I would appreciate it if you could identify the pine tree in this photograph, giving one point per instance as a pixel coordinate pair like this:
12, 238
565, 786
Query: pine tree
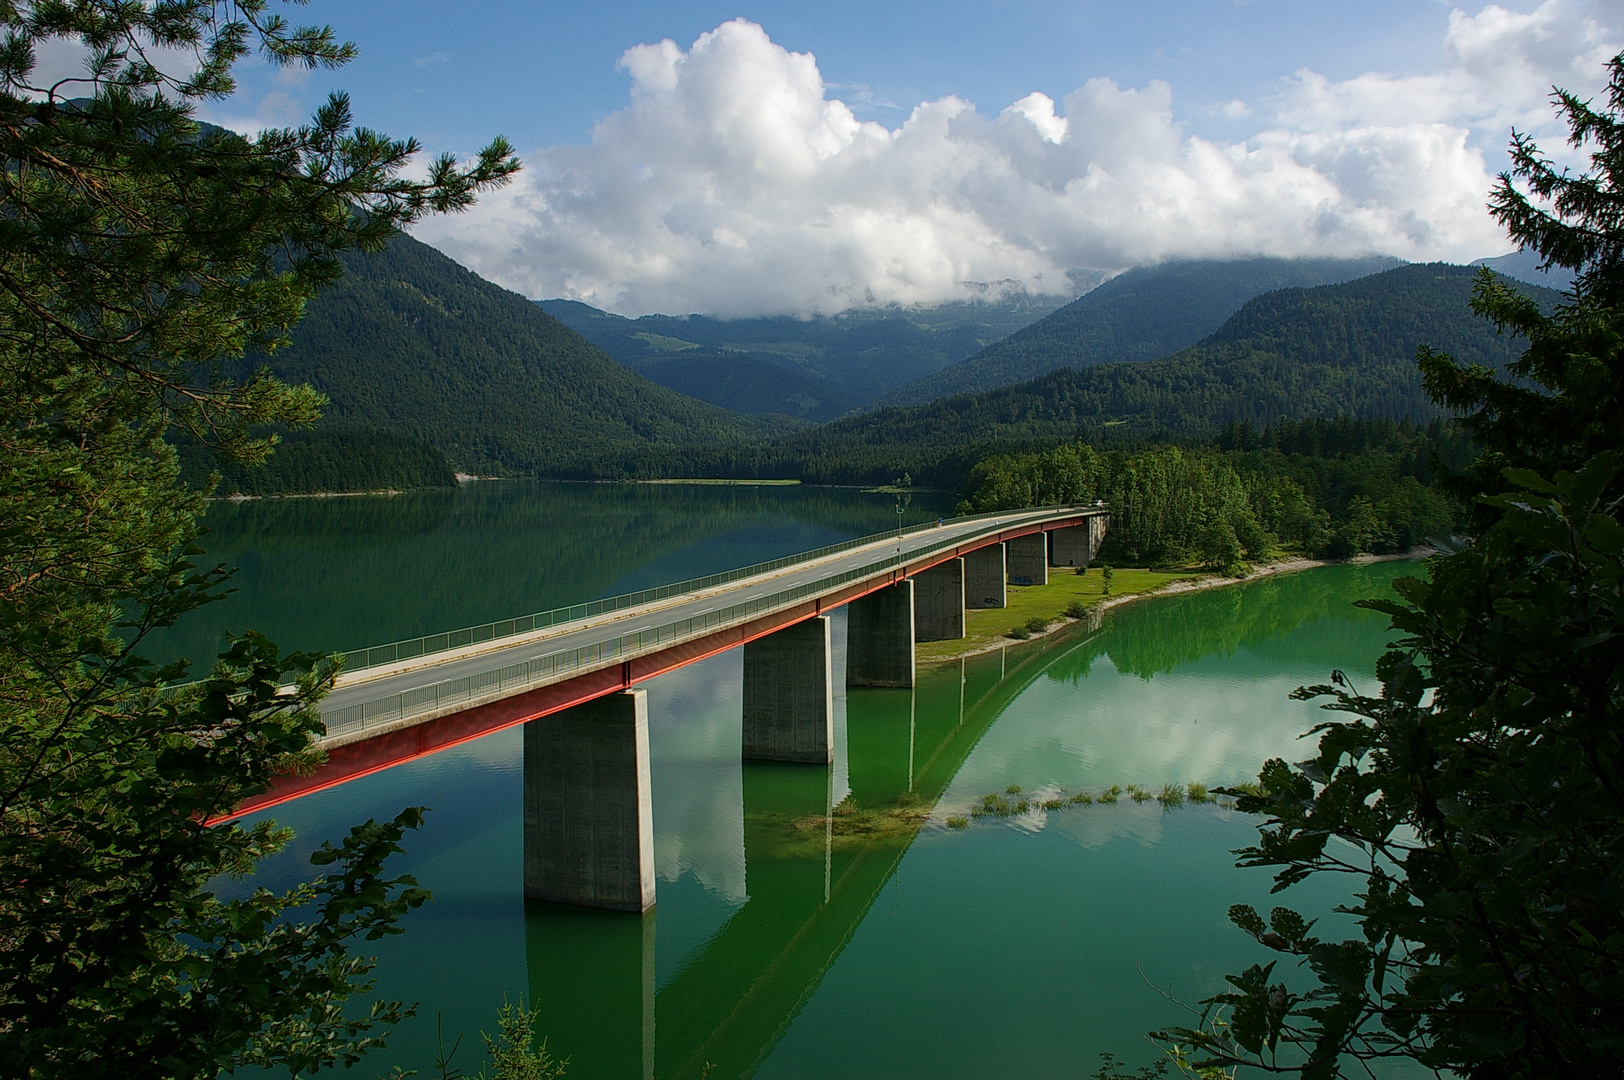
139, 251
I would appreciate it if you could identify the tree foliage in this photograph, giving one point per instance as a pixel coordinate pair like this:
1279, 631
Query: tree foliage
1346, 487
1477, 796
139, 251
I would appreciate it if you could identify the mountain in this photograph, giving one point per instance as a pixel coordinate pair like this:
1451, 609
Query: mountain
818, 368
1336, 350
410, 342
1139, 315
1524, 266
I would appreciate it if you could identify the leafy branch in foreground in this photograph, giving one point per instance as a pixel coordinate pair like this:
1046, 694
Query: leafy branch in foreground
1478, 798
513, 1051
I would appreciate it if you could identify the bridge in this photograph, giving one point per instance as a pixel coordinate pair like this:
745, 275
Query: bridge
592, 973
588, 824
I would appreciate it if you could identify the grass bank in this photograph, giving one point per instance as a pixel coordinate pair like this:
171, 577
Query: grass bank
989, 628
1068, 591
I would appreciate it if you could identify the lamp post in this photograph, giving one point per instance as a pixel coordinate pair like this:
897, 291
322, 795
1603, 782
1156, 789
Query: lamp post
904, 497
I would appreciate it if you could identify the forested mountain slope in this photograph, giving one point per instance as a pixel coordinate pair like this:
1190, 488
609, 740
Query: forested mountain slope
1336, 350
1140, 315
818, 368
411, 342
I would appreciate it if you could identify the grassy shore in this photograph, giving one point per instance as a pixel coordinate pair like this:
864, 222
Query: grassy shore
986, 628
1068, 591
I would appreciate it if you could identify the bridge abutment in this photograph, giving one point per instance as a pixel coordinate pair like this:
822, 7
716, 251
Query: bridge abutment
789, 698
588, 820
939, 602
985, 575
880, 637
1028, 559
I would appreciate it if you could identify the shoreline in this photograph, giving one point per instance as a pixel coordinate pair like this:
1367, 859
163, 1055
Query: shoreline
238, 497
1206, 580
464, 479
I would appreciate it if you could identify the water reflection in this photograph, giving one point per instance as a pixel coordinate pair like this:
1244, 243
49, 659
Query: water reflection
817, 921
339, 573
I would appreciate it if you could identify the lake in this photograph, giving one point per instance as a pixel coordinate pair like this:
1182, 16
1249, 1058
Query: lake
812, 921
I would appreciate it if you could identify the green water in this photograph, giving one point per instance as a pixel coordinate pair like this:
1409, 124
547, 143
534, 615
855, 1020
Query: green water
340, 573
1021, 947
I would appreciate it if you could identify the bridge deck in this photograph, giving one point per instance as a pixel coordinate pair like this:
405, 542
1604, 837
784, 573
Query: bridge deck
386, 715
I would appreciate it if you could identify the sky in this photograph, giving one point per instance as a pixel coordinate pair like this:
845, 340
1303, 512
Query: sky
770, 157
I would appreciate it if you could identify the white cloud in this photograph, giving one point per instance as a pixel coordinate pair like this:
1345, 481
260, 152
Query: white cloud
734, 184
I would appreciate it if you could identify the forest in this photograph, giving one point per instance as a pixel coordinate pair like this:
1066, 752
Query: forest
1326, 488
410, 342
322, 460
1143, 314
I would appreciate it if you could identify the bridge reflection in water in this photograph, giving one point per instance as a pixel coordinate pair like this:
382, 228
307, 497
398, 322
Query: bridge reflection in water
812, 871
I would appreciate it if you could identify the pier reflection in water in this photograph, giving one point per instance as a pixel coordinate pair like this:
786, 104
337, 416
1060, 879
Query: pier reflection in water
817, 921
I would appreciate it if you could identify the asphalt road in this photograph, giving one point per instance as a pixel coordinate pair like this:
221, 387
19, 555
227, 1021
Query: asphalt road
364, 686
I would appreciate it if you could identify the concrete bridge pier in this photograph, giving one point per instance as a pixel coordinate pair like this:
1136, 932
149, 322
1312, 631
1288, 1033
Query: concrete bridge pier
880, 637
1028, 559
939, 602
789, 697
1075, 546
588, 821
985, 574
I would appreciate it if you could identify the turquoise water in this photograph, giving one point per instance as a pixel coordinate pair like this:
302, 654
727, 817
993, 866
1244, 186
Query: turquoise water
785, 946
341, 573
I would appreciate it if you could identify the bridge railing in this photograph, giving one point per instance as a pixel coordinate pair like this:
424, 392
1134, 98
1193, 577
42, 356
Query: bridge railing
428, 645
512, 678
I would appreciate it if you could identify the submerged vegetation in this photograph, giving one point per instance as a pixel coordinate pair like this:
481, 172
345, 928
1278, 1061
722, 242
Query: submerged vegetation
851, 822
1171, 797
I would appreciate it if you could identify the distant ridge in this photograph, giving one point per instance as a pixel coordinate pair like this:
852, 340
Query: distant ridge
1336, 350
1524, 266
1139, 315
818, 368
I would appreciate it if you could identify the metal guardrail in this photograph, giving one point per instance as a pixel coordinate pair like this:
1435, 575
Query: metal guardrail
528, 673
429, 644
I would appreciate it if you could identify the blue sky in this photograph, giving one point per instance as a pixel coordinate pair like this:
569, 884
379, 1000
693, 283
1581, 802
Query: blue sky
544, 73
804, 158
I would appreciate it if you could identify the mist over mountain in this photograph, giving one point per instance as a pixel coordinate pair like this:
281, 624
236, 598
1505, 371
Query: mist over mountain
1139, 315
818, 368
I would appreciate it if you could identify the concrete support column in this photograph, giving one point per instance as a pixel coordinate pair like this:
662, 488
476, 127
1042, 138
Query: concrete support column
939, 602
985, 573
1028, 560
1096, 534
1073, 546
588, 821
880, 637
789, 696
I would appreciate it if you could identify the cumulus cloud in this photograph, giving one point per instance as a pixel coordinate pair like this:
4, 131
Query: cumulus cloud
733, 183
